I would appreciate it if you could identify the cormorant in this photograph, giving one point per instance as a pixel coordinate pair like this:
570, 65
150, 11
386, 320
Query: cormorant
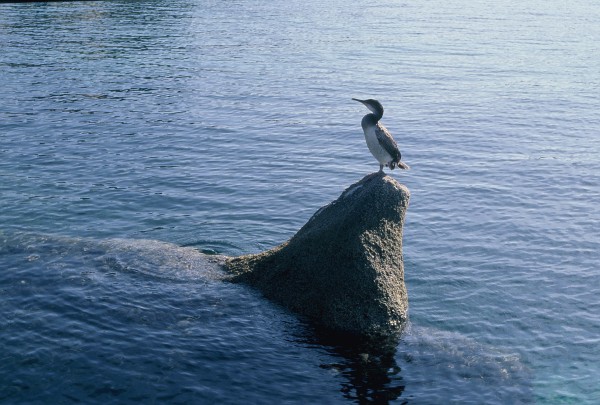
379, 140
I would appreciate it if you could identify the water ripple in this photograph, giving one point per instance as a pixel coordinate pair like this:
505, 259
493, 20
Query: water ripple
223, 127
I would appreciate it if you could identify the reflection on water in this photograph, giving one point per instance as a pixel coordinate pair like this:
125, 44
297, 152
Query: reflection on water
369, 371
369, 378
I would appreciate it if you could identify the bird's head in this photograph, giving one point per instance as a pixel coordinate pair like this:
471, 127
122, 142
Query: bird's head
373, 105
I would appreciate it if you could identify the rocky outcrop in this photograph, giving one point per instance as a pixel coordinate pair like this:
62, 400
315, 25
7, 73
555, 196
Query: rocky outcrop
344, 269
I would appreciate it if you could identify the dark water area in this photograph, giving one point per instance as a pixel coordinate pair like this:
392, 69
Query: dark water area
139, 140
141, 320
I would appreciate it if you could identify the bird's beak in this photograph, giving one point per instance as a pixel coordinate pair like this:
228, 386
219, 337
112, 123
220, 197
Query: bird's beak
363, 102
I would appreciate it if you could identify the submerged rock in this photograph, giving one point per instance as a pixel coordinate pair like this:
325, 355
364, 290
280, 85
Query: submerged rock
344, 268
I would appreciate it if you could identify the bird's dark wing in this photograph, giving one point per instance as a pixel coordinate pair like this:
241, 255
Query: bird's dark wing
387, 142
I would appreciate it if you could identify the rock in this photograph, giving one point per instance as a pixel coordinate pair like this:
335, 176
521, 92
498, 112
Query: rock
344, 268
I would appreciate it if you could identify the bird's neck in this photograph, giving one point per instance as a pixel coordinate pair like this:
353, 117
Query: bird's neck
369, 120
375, 117
377, 111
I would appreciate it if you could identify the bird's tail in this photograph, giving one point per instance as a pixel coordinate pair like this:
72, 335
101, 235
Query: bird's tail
401, 165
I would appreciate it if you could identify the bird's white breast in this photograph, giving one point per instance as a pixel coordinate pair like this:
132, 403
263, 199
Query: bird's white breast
376, 149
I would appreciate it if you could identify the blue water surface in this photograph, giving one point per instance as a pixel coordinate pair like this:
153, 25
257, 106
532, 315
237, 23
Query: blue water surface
137, 136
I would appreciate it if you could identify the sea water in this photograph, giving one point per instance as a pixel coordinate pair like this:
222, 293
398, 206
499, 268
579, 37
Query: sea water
137, 137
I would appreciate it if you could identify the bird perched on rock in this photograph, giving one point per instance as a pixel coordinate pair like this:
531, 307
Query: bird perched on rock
379, 140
